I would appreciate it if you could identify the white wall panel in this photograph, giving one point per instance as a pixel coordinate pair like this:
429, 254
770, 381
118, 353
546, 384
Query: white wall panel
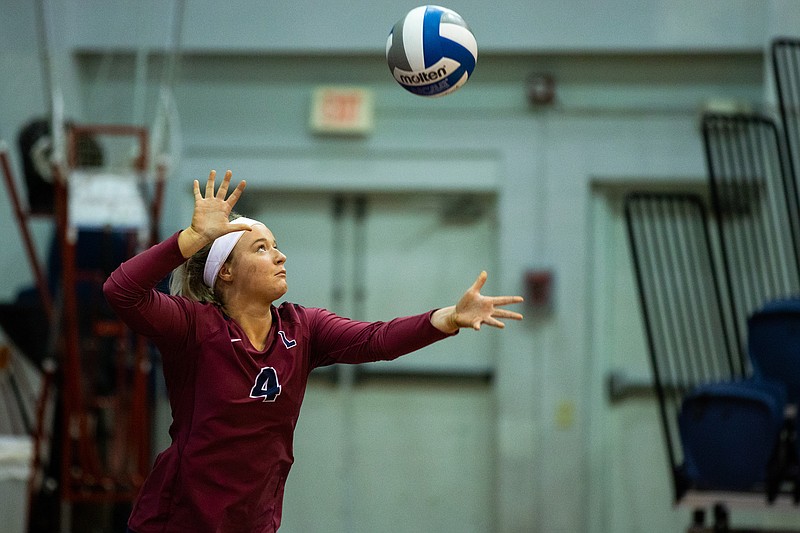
362, 25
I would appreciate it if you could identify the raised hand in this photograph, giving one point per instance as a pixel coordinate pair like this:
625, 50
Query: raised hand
210, 215
475, 309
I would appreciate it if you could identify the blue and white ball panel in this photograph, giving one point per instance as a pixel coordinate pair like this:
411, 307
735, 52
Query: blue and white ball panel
435, 52
461, 35
413, 37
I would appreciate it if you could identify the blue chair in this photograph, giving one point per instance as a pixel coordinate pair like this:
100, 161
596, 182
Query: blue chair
721, 426
774, 344
794, 462
774, 349
730, 433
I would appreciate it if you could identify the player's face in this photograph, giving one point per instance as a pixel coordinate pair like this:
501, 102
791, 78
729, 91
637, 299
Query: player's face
258, 265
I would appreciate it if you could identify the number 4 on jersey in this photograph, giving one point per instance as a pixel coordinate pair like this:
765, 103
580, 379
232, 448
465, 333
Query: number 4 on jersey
267, 385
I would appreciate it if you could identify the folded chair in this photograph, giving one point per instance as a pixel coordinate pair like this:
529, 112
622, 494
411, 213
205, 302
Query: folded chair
786, 74
731, 434
774, 346
720, 424
755, 201
755, 206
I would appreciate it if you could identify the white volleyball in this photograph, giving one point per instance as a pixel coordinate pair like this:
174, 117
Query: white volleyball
431, 51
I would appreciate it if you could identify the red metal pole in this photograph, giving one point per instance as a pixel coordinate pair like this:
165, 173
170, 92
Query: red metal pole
38, 436
70, 342
156, 203
38, 272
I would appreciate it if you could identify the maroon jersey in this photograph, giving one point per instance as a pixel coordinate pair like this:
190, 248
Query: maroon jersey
234, 407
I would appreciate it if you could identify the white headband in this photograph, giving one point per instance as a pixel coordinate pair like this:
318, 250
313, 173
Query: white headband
221, 249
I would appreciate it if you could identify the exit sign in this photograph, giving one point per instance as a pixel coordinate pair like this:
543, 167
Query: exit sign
342, 111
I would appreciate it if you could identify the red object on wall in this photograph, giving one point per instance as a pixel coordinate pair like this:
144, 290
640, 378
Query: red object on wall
539, 289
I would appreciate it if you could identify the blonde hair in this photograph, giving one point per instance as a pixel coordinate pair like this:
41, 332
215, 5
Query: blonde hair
187, 279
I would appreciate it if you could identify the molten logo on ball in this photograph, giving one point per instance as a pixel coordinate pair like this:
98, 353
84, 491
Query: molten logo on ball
431, 51
436, 72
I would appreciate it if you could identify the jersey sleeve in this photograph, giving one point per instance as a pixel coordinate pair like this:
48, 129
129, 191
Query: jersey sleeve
336, 339
131, 291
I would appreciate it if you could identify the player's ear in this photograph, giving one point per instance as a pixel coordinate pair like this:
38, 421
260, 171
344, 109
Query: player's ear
225, 272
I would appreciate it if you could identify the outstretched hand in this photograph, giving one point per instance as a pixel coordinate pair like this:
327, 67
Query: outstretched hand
211, 212
475, 309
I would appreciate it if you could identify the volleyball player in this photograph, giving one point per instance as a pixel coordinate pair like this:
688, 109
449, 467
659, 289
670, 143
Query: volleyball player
236, 366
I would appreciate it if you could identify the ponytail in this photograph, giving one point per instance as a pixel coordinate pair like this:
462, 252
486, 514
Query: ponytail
187, 279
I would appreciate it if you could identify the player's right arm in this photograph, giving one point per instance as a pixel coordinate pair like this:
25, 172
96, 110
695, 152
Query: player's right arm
132, 292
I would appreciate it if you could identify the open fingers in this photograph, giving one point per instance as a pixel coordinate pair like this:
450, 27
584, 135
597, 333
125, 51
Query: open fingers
493, 319
237, 192
505, 313
494, 323
506, 300
210, 184
479, 283
223, 187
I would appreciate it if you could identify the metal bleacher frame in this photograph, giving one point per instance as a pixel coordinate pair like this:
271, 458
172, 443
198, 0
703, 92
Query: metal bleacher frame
91, 468
746, 254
